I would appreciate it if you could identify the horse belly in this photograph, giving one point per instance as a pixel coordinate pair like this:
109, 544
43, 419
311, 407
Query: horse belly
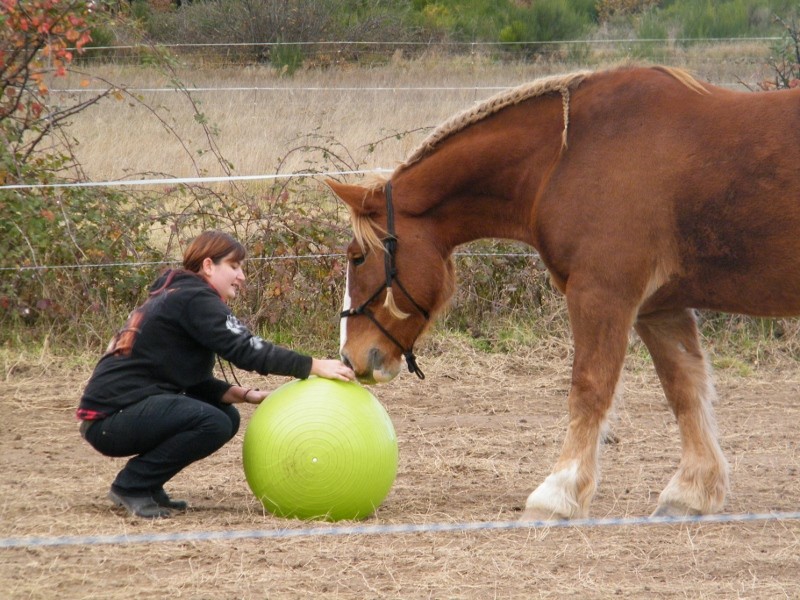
756, 296
748, 269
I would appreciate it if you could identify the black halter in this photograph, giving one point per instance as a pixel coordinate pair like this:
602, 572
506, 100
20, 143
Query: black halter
390, 245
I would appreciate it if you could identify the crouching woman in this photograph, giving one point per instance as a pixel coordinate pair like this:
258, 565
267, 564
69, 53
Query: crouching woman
153, 395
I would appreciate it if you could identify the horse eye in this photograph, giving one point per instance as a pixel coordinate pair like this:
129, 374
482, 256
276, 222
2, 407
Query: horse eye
358, 260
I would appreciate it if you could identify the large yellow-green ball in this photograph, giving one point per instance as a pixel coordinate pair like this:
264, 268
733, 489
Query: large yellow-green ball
320, 449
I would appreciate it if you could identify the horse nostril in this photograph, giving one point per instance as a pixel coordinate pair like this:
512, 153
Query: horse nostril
375, 359
346, 361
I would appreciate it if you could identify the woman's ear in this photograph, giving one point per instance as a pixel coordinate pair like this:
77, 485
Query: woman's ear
207, 267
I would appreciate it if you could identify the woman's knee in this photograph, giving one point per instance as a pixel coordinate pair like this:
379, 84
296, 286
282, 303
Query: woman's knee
233, 414
221, 424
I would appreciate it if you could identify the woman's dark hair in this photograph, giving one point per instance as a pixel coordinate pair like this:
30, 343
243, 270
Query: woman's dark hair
215, 245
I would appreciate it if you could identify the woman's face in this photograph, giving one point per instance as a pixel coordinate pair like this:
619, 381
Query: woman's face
226, 276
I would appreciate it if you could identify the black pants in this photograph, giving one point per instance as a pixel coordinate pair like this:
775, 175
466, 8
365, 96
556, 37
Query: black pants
166, 433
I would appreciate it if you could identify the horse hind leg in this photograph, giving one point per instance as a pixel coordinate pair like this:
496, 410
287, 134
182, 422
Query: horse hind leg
701, 481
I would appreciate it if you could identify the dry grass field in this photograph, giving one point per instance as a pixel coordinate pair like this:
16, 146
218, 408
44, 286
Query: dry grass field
262, 118
475, 437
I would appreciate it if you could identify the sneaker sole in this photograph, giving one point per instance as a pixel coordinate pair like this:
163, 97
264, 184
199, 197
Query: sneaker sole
163, 513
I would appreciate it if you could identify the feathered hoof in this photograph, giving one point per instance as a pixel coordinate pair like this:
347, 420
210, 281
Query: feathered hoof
533, 513
675, 510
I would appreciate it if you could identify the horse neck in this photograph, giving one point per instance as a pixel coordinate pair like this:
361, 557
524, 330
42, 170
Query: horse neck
464, 218
483, 181
456, 218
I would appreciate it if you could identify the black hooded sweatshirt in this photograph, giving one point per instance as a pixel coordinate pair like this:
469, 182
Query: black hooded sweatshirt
168, 345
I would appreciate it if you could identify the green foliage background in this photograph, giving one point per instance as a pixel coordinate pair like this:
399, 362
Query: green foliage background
296, 301
280, 30
458, 20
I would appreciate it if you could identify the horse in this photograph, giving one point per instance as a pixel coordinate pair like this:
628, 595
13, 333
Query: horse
648, 194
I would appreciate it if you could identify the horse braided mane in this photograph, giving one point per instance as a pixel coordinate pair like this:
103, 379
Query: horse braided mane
561, 84
368, 234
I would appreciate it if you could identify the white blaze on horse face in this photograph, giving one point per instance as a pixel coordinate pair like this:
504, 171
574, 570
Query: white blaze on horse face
345, 306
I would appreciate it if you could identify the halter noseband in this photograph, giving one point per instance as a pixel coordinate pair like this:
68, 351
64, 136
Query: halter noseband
390, 245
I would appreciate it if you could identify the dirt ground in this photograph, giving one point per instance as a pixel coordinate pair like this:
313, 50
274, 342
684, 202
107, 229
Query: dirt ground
475, 438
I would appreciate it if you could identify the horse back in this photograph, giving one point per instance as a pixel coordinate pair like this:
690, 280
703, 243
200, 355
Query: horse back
692, 196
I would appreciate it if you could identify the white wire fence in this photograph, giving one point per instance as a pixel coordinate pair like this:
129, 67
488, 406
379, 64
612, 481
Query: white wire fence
200, 181
748, 51
325, 53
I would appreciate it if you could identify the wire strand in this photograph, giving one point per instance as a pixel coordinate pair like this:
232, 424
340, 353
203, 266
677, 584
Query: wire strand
350, 530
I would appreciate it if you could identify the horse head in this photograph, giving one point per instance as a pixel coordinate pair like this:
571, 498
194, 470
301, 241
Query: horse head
398, 278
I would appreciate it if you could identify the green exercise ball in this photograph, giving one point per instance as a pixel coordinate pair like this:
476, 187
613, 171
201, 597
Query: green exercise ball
320, 449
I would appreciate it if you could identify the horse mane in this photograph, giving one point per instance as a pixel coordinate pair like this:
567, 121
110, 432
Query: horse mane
366, 231
553, 84
685, 77
561, 84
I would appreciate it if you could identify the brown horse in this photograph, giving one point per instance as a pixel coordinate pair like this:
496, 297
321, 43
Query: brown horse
647, 195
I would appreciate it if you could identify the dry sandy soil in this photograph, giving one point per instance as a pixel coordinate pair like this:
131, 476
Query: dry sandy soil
475, 437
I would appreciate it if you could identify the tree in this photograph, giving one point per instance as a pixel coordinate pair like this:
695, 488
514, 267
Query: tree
42, 228
39, 39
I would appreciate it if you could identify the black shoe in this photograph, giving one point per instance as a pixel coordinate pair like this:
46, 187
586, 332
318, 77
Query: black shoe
162, 499
139, 506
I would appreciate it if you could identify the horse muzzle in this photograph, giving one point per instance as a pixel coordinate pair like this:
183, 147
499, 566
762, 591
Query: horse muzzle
375, 369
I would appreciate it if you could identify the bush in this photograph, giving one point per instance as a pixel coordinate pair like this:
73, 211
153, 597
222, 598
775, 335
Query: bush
709, 19
552, 20
282, 32
785, 58
649, 27
271, 24
289, 22
55, 238
608, 9
46, 232
545, 21
502, 287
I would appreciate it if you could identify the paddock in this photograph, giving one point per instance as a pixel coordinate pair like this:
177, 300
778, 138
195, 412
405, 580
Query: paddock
473, 437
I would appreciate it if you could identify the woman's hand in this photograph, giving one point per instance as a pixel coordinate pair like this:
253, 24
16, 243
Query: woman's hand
332, 369
254, 396
239, 395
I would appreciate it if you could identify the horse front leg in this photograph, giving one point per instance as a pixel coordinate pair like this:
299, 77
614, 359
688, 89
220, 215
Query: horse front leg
700, 484
600, 327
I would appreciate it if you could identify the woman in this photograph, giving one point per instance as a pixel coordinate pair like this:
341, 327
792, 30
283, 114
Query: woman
153, 394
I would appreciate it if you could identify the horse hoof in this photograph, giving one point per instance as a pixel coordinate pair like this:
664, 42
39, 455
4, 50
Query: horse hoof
538, 514
675, 510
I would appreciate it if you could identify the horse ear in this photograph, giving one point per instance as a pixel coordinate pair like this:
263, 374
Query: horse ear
364, 201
